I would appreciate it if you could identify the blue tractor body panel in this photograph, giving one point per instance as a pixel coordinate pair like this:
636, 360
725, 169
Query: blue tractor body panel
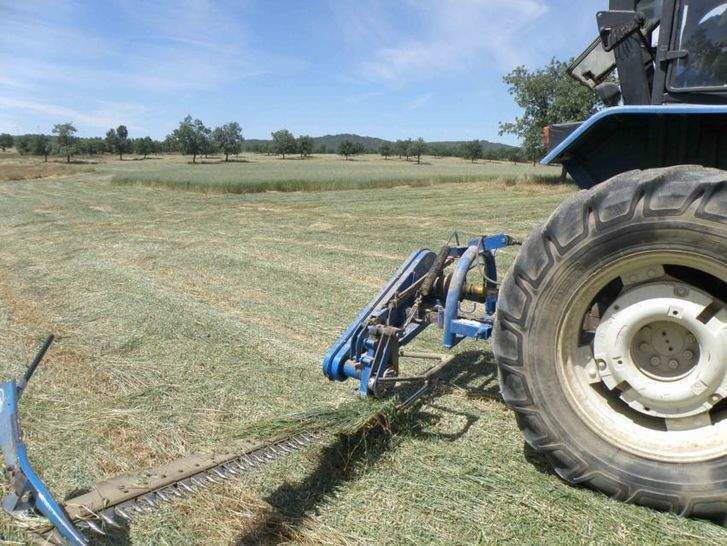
624, 138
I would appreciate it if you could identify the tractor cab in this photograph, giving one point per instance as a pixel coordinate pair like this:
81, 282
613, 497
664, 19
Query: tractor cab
660, 69
657, 52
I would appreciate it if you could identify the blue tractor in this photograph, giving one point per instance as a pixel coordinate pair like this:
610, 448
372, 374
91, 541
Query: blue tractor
610, 329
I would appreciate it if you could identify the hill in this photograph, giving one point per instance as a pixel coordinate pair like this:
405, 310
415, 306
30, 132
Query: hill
372, 144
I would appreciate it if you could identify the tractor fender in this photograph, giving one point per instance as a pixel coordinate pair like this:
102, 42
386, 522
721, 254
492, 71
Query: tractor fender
625, 138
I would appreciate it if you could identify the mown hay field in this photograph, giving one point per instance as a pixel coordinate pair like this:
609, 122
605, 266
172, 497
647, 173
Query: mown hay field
250, 173
15, 167
183, 317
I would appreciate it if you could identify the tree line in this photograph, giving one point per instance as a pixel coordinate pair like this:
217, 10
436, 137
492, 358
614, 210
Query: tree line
546, 96
193, 138
62, 142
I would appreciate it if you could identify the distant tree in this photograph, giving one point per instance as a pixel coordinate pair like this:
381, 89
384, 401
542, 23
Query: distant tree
305, 145
515, 155
322, 149
209, 144
143, 146
40, 145
90, 146
385, 150
472, 150
547, 96
65, 140
191, 137
123, 135
408, 143
112, 140
401, 147
96, 146
418, 148
117, 140
23, 144
437, 150
284, 142
346, 149
170, 144
228, 138
6, 141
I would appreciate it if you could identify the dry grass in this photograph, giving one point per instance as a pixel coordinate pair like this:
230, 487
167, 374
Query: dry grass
183, 318
27, 170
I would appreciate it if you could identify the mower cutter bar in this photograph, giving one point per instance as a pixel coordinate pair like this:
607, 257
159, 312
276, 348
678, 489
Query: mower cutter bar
121, 499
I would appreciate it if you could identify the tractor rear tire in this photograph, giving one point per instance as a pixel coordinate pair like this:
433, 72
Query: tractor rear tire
653, 244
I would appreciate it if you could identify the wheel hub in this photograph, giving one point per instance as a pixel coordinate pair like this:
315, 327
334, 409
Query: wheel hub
665, 351
654, 347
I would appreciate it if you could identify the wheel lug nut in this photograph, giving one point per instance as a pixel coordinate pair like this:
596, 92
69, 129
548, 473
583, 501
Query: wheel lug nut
688, 355
646, 331
644, 347
673, 364
655, 361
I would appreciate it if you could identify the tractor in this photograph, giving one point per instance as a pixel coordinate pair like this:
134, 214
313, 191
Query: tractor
610, 328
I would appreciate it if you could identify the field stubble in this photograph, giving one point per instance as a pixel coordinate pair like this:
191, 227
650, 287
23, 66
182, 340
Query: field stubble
183, 319
15, 167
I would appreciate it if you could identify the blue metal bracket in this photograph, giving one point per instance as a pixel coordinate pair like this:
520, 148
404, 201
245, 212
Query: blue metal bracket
454, 294
29, 494
368, 350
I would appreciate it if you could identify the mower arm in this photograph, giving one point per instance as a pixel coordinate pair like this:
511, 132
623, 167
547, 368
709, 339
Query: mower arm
29, 494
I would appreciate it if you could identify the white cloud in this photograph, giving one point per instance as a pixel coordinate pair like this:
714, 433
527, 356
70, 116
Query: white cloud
419, 101
445, 35
103, 116
176, 46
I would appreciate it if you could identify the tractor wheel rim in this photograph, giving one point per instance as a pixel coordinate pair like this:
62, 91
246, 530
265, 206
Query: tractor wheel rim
653, 377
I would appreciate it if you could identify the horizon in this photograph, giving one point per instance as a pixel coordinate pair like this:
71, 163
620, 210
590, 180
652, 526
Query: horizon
384, 70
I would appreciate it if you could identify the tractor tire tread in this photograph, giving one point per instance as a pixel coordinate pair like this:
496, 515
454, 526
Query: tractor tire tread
669, 192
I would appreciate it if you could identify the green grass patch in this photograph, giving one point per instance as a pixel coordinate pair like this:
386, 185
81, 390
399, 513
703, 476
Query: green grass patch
260, 174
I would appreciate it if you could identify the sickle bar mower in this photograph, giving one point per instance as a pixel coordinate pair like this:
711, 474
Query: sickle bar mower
419, 294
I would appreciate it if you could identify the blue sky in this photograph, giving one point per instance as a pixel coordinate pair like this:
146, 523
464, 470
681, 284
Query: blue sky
387, 68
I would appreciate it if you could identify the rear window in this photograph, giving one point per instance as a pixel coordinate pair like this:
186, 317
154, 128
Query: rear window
701, 31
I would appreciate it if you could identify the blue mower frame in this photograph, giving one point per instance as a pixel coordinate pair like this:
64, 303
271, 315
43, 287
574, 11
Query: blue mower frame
418, 295
29, 495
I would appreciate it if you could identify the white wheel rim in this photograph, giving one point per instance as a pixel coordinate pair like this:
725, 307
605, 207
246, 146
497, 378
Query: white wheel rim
661, 410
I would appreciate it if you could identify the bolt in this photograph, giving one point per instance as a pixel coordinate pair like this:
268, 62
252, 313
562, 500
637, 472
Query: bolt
688, 355
655, 361
645, 347
602, 365
673, 364
646, 331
